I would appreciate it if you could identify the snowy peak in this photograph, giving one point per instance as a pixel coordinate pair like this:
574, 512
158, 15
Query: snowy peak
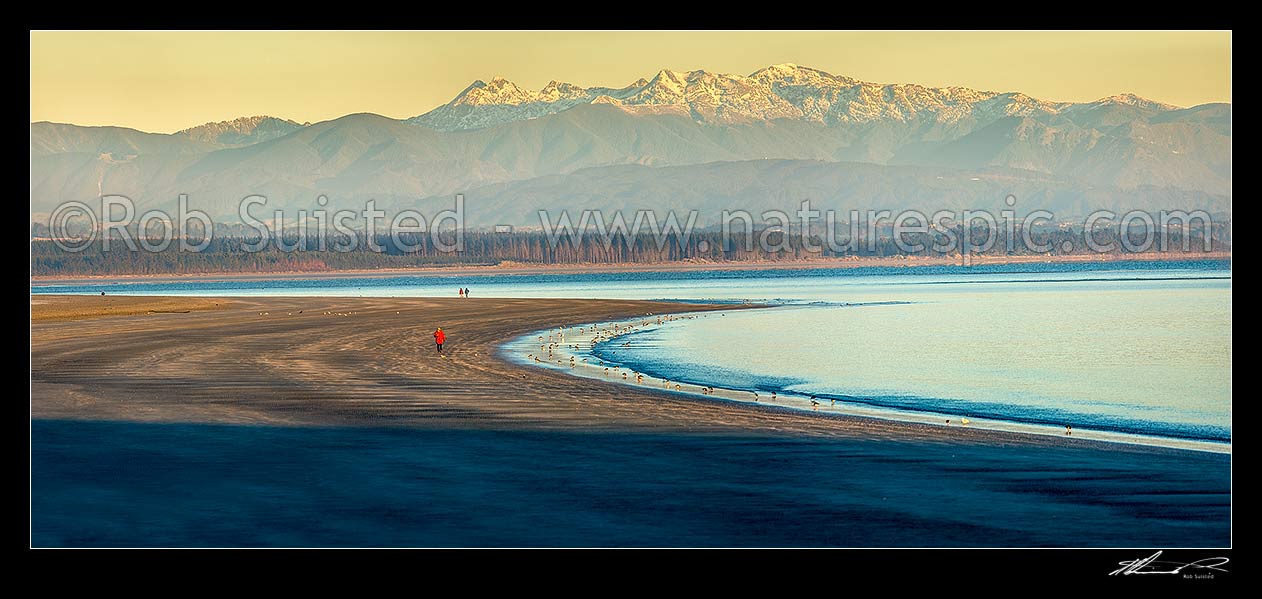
498, 91
782, 91
1136, 101
666, 87
792, 74
242, 131
556, 91
672, 79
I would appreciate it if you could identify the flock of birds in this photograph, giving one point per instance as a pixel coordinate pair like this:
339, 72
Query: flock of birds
597, 334
593, 335
326, 313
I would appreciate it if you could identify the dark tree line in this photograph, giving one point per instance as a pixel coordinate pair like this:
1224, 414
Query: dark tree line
242, 254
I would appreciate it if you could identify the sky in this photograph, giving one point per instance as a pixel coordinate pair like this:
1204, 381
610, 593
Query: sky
166, 81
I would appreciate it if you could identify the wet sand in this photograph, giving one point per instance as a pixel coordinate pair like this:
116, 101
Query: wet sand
331, 421
349, 361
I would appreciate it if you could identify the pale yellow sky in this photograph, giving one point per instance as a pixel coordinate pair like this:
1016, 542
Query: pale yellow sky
166, 81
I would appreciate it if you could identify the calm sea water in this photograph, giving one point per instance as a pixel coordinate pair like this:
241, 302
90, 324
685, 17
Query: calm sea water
1140, 348
1143, 354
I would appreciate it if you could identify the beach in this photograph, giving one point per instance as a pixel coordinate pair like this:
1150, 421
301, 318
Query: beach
362, 378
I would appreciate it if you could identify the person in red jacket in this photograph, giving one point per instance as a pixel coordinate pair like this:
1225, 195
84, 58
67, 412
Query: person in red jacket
439, 338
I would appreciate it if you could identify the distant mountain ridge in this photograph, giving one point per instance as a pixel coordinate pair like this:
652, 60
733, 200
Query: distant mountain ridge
784, 91
242, 131
61, 138
496, 134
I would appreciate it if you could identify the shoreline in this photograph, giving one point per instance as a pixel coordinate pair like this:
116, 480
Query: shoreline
581, 367
519, 268
337, 361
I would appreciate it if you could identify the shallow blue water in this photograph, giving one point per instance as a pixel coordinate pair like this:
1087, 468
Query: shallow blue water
1140, 356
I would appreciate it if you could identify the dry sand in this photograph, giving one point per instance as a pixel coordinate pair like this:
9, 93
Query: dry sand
371, 361
45, 308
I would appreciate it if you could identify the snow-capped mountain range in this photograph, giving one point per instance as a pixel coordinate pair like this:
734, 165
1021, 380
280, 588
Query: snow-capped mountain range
781, 134
783, 91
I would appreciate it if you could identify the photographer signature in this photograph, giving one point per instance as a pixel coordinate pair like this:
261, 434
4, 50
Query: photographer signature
1151, 565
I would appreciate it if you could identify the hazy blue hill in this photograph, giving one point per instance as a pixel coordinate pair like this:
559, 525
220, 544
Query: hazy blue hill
241, 132
759, 185
60, 138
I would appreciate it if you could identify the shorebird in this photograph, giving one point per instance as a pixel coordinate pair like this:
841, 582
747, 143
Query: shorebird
814, 404
1068, 430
